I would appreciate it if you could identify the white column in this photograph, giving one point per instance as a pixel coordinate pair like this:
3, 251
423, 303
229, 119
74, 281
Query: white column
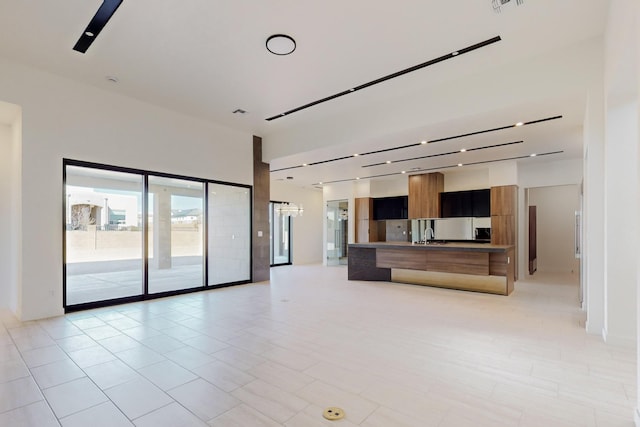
105, 212
621, 170
593, 211
162, 228
621, 218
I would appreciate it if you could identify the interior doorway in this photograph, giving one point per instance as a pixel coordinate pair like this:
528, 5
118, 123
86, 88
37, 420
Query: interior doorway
533, 240
551, 237
280, 236
337, 232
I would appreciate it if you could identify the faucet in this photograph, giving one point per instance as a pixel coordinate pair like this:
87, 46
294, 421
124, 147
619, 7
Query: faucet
428, 232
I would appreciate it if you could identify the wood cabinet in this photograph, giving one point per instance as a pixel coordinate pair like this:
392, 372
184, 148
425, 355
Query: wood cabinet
504, 218
504, 200
473, 267
366, 227
503, 229
424, 195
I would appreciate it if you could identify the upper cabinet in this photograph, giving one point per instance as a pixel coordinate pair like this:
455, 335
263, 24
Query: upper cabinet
504, 218
424, 195
503, 200
366, 227
390, 208
465, 203
364, 208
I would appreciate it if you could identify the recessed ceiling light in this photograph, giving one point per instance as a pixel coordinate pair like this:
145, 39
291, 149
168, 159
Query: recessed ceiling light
112, 79
459, 164
351, 90
519, 124
304, 164
455, 53
403, 172
281, 44
89, 34
356, 155
357, 177
423, 142
463, 150
533, 155
320, 183
388, 161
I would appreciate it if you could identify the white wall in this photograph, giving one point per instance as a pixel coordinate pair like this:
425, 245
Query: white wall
306, 229
621, 170
15, 290
398, 186
6, 135
542, 173
593, 208
555, 208
65, 119
503, 173
621, 219
460, 180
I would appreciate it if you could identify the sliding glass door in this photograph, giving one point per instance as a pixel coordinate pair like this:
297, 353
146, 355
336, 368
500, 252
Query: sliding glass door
337, 232
280, 234
176, 236
103, 235
131, 234
229, 234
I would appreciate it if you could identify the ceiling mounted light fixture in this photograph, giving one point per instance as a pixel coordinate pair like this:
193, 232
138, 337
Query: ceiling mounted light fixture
383, 79
289, 209
281, 44
97, 24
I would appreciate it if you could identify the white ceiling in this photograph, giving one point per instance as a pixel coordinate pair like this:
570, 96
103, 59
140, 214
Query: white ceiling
207, 58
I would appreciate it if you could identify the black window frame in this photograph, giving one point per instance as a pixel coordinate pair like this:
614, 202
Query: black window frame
145, 233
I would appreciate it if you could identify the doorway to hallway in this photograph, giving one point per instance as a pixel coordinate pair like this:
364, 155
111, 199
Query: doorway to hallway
551, 224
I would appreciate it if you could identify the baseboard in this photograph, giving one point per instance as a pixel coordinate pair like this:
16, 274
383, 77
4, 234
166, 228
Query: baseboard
593, 329
618, 341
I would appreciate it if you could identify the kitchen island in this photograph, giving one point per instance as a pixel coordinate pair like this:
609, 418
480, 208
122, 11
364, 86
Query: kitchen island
468, 266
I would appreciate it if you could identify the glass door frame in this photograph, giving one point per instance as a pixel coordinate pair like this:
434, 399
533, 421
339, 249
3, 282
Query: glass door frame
145, 295
272, 216
339, 254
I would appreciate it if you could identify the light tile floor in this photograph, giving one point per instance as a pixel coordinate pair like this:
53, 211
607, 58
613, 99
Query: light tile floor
277, 353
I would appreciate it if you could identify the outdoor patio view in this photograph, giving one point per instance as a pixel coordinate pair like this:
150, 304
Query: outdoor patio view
105, 241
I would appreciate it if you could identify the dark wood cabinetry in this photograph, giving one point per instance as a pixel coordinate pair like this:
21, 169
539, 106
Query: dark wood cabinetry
366, 227
424, 195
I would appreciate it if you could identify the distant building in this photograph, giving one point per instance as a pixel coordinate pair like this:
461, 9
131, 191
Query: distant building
87, 206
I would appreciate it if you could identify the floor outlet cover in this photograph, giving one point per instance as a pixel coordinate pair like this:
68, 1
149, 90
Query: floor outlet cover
333, 413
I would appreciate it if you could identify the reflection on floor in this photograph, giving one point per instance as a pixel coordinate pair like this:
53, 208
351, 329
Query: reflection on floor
278, 353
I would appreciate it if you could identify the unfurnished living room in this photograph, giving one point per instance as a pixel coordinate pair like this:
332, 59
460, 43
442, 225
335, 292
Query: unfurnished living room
308, 214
